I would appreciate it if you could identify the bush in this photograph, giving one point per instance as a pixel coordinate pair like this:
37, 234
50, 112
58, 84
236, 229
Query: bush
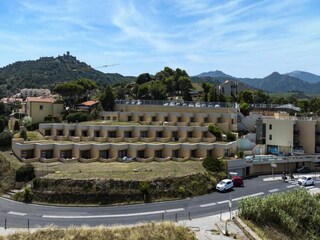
215, 130
5, 139
294, 213
231, 137
27, 195
214, 165
23, 134
144, 189
78, 117
25, 173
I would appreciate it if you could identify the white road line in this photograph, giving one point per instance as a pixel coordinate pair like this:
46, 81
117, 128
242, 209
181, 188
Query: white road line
309, 187
105, 216
291, 186
175, 210
252, 195
222, 202
273, 190
17, 213
208, 204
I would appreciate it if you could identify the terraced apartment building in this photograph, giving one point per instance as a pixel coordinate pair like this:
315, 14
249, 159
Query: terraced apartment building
139, 131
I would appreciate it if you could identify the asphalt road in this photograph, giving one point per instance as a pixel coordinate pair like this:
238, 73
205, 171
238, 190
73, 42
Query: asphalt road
17, 215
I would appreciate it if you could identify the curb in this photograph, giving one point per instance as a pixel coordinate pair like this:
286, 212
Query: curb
247, 231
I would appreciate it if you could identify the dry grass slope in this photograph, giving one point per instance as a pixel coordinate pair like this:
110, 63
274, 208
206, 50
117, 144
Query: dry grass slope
150, 231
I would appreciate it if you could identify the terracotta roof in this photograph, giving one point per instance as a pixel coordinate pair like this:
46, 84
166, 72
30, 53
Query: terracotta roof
40, 99
89, 103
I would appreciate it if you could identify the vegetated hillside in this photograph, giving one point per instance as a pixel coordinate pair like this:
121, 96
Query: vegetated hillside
215, 74
274, 83
305, 76
46, 72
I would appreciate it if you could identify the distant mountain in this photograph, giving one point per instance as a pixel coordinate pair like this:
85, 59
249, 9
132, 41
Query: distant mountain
46, 72
214, 74
274, 82
305, 76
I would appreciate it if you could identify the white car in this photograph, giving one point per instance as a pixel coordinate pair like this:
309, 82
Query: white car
305, 181
224, 185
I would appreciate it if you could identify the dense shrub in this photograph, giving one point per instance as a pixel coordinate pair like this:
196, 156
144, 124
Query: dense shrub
33, 126
231, 137
5, 139
78, 117
215, 130
294, 213
25, 173
23, 134
214, 164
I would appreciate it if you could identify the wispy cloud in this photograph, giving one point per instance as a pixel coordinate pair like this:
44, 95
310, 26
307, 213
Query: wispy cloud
240, 37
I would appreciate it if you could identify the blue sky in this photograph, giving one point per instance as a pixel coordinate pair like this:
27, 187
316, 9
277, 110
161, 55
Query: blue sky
243, 38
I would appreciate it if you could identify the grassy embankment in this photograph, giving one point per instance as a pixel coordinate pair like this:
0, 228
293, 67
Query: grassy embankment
7, 175
292, 215
150, 231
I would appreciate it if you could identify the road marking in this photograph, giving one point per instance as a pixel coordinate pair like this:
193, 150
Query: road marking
291, 186
309, 187
222, 202
252, 195
175, 210
105, 216
208, 204
273, 190
17, 213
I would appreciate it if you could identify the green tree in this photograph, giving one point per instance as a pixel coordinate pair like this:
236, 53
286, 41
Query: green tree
244, 108
3, 109
143, 91
212, 94
2, 123
246, 96
143, 78
5, 139
157, 90
107, 100
25, 173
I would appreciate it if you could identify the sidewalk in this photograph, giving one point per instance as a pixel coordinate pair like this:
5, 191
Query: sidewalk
296, 176
212, 227
206, 228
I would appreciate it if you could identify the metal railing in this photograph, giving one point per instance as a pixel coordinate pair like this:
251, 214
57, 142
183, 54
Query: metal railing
178, 103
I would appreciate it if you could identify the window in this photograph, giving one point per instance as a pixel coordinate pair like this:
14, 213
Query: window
140, 154
270, 126
66, 154
144, 134
175, 153
84, 133
47, 154
190, 134
71, 133
158, 153
179, 119
27, 154
41, 107
166, 119
175, 135
112, 134
141, 118
85, 154
154, 119
226, 152
209, 153
104, 154
194, 153
129, 118
159, 134
128, 134
97, 133
270, 137
60, 133
47, 132
206, 119
122, 153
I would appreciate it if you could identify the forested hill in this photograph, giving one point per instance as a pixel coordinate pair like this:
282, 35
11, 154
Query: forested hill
46, 72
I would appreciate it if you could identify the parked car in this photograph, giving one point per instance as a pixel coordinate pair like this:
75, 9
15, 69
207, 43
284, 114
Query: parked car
224, 185
237, 181
303, 169
305, 181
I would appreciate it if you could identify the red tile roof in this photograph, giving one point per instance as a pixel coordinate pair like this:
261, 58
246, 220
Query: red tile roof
89, 103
